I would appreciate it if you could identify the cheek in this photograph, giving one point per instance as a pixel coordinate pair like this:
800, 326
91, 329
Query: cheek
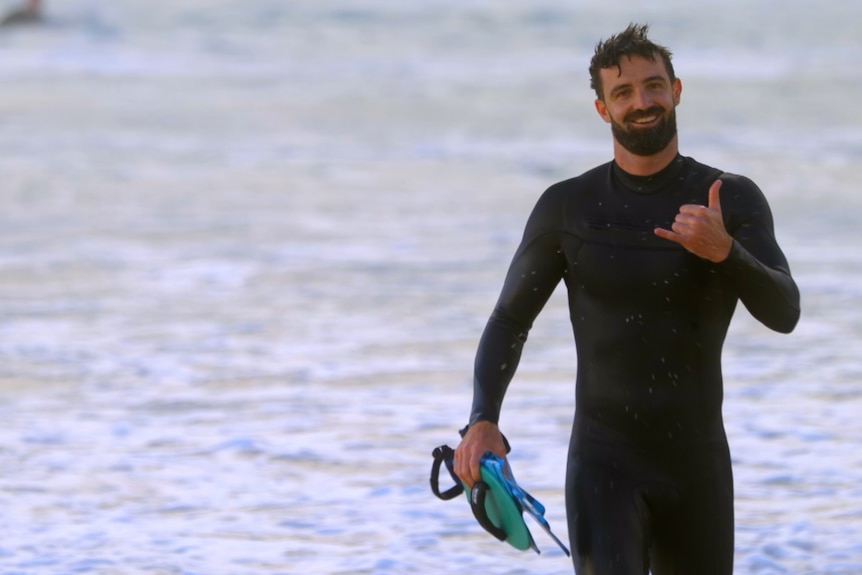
617, 116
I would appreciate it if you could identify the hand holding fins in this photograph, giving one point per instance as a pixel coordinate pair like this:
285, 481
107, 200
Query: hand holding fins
497, 501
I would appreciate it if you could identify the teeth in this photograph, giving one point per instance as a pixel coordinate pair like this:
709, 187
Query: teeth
645, 120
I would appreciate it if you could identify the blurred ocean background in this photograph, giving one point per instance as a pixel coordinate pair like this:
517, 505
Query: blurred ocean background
247, 249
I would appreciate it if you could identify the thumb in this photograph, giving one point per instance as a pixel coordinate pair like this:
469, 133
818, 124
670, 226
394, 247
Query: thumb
714, 198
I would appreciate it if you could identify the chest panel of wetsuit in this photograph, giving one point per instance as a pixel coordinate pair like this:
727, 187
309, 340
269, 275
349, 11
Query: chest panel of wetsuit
645, 311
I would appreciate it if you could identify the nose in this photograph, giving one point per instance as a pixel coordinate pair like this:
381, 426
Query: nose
642, 100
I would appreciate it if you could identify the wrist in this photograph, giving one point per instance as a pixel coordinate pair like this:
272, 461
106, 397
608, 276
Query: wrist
488, 425
727, 252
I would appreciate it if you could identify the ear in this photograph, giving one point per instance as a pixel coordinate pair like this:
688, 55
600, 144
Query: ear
602, 109
677, 91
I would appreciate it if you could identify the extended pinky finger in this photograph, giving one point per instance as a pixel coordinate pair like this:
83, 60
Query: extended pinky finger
666, 234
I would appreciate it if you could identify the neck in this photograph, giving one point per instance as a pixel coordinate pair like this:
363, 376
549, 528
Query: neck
645, 165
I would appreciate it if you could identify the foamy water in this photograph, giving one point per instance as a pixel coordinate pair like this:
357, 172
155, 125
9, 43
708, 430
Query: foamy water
247, 251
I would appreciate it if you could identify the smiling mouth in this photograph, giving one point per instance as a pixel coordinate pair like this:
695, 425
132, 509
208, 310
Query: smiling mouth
645, 119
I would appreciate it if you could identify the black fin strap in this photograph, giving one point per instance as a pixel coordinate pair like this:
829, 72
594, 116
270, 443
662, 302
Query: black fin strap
477, 504
444, 454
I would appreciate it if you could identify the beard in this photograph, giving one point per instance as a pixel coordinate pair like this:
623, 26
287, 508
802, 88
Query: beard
646, 141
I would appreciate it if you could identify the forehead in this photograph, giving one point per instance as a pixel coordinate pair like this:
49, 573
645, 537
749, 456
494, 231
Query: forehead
633, 70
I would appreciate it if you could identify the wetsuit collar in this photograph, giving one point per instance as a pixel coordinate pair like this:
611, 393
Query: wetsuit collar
649, 184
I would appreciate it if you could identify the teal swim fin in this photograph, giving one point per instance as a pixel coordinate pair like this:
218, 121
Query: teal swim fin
497, 501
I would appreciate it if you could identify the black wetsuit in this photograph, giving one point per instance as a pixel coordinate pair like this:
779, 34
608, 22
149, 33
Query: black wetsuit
649, 480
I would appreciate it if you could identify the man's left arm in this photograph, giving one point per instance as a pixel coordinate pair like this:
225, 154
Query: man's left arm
756, 263
747, 252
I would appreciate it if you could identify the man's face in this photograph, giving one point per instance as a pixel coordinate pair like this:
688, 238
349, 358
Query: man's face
639, 101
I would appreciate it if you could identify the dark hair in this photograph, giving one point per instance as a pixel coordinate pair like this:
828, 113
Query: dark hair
630, 42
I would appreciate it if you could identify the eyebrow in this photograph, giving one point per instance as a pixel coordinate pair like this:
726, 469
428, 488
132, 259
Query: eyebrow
655, 78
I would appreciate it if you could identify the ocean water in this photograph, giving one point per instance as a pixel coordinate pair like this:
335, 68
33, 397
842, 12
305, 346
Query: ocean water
247, 250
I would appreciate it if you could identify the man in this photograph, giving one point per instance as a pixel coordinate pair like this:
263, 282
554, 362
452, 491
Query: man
655, 250
29, 13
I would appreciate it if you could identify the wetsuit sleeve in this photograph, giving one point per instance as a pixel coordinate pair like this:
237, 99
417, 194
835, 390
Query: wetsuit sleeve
534, 273
756, 264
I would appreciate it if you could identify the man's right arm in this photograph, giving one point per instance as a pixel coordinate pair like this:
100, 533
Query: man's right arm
533, 275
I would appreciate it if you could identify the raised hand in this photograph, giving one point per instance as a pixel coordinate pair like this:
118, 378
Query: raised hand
700, 229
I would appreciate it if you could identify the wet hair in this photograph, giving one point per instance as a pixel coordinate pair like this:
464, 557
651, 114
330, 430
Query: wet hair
630, 42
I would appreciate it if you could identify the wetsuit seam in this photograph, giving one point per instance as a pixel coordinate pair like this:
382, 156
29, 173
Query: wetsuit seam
619, 246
